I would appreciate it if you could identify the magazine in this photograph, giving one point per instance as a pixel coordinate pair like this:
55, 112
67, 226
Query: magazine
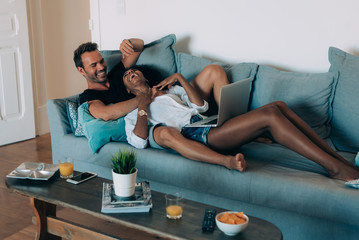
140, 202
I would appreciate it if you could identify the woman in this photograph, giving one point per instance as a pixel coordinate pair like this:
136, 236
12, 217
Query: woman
169, 111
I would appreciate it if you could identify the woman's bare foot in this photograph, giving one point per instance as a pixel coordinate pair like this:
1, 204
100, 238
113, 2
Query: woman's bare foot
237, 162
346, 173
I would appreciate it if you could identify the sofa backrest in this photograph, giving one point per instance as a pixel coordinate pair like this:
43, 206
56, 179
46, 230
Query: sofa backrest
326, 101
309, 95
345, 122
190, 66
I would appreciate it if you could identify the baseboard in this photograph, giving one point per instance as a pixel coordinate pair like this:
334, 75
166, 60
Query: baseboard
42, 121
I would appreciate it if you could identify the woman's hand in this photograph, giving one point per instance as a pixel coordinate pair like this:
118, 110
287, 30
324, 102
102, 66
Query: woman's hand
193, 95
168, 82
144, 99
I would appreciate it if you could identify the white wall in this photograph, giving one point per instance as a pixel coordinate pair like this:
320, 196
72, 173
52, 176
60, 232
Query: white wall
292, 35
56, 29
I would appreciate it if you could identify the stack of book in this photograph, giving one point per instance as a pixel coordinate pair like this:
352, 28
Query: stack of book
141, 201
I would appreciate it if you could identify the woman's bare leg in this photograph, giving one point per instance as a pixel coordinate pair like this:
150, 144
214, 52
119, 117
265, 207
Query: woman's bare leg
307, 130
170, 138
210, 81
270, 118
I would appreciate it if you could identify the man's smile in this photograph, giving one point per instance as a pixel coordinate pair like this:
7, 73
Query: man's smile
101, 74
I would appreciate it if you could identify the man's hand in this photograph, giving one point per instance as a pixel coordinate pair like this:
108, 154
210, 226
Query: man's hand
131, 50
126, 48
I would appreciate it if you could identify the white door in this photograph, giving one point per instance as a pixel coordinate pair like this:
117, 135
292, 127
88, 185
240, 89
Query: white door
16, 97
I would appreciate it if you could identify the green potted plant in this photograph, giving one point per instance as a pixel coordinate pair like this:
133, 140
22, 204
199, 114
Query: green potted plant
124, 172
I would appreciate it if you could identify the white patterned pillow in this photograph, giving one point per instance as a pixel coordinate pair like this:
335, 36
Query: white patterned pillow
72, 114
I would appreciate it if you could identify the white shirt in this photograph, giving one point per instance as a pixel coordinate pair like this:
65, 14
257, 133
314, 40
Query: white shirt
173, 109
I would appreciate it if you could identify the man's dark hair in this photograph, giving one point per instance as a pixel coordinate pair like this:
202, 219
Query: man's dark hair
85, 47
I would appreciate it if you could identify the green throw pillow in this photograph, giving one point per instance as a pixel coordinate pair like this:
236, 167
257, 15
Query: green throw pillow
100, 132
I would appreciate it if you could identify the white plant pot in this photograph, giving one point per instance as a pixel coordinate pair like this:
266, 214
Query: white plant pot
124, 184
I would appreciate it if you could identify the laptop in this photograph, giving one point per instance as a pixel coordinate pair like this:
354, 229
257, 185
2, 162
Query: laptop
233, 101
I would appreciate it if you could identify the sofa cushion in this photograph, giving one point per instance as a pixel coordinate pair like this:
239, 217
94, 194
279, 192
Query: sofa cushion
72, 114
345, 131
112, 58
190, 66
309, 95
99, 132
160, 55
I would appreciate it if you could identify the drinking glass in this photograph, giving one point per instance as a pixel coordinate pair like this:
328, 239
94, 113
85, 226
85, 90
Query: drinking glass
66, 168
174, 205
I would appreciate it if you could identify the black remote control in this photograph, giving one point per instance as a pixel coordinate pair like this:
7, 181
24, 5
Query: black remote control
209, 220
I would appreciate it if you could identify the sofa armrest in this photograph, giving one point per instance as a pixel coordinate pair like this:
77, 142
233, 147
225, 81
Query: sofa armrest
57, 114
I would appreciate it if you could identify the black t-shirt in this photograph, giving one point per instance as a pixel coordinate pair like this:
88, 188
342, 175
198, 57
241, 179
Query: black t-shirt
116, 93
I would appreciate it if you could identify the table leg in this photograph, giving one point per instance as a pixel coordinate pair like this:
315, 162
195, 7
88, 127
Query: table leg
42, 210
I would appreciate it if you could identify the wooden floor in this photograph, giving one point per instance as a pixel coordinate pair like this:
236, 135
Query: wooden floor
15, 210
16, 214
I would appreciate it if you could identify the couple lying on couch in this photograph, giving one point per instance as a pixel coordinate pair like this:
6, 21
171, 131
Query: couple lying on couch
126, 91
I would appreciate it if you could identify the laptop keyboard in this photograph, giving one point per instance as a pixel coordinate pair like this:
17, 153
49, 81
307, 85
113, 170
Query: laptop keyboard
214, 121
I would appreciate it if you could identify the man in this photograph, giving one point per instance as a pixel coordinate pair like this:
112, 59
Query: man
106, 94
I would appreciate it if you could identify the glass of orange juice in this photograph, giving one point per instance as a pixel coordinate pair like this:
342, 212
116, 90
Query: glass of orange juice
174, 205
66, 167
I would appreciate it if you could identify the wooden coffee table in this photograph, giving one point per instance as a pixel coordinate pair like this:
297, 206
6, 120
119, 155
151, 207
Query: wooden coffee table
86, 198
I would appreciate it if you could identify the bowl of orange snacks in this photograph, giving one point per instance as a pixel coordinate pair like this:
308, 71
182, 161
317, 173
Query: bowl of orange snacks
232, 223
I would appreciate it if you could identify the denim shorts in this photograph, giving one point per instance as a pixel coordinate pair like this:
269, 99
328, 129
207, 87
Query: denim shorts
198, 134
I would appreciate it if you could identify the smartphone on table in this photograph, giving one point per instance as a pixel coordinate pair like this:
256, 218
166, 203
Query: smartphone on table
79, 178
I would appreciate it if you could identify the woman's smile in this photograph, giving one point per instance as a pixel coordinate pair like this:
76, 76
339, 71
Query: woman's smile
132, 76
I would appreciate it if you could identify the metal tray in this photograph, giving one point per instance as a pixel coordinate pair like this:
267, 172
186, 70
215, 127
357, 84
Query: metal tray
34, 171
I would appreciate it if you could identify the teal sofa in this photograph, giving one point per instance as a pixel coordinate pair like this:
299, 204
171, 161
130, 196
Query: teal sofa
279, 185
